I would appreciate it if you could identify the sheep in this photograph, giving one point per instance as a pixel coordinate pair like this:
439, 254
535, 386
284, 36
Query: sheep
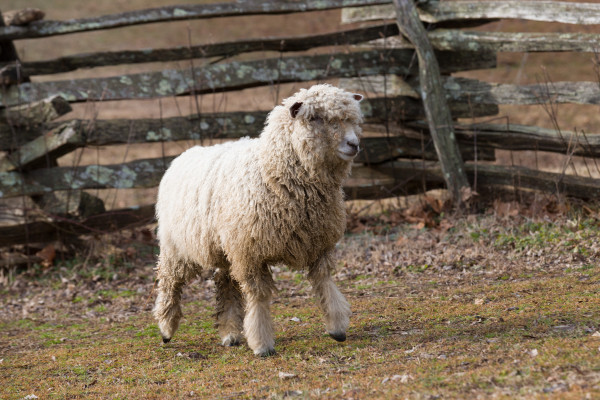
240, 207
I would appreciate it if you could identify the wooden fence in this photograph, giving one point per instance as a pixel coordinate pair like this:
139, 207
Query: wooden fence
400, 160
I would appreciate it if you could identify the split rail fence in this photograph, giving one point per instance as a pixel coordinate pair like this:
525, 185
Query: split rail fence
400, 160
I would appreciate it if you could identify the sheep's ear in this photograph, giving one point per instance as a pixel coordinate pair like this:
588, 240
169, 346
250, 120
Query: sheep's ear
357, 97
295, 109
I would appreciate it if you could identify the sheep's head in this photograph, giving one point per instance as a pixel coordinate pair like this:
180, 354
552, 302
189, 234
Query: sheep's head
325, 125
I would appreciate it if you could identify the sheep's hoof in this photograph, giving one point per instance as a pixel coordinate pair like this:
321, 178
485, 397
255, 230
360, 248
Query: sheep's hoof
338, 336
265, 353
166, 340
231, 340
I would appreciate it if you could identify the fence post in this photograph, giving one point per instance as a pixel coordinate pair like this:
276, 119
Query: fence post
434, 101
8, 53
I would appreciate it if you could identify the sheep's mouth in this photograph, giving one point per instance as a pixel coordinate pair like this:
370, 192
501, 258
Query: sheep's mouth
348, 155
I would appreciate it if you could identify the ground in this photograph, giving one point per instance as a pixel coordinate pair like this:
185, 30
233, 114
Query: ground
491, 305
500, 304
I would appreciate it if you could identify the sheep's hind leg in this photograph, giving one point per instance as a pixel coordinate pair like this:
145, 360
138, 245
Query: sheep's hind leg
331, 301
258, 326
167, 309
230, 308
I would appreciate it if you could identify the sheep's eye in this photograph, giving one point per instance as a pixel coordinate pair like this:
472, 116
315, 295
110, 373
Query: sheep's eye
316, 118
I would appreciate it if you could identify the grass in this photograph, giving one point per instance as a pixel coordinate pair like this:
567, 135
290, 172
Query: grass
500, 326
442, 348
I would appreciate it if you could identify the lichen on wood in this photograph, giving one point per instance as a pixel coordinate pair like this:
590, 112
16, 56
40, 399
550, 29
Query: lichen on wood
140, 173
436, 12
463, 89
473, 91
53, 144
174, 13
434, 101
475, 41
376, 150
36, 113
230, 125
428, 175
237, 75
206, 51
22, 17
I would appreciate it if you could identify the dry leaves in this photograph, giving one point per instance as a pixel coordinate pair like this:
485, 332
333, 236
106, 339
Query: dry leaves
47, 254
423, 213
286, 375
404, 378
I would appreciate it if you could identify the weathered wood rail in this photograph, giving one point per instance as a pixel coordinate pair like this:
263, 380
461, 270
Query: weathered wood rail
400, 152
236, 75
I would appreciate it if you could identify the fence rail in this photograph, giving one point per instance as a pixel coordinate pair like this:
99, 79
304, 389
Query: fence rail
531, 42
225, 49
399, 159
237, 75
174, 13
437, 12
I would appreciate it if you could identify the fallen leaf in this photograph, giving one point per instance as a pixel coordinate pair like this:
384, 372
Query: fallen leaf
419, 226
506, 209
286, 375
295, 319
404, 378
479, 302
47, 255
534, 353
466, 194
445, 225
402, 239
435, 204
596, 334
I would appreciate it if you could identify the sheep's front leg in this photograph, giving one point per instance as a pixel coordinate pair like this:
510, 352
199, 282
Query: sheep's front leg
230, 308
330, 299
258, 326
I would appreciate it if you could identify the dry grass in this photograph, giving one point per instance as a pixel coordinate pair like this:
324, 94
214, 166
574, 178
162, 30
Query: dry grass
482, 306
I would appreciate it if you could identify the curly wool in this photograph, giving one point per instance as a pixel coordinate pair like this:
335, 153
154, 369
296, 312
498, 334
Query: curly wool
273, 199
242, 206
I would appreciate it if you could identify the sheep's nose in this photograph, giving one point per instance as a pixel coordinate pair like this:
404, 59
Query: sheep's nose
353, 145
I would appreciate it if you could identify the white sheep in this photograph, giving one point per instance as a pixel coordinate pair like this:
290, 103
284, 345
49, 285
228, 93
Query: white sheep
240, 207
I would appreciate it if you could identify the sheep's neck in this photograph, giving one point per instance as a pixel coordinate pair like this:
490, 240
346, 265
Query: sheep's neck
287, 177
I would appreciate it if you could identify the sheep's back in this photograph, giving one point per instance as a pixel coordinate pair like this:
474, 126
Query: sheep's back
195, 191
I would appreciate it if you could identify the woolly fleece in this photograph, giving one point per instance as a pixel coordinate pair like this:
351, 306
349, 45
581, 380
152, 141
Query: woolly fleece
242, 206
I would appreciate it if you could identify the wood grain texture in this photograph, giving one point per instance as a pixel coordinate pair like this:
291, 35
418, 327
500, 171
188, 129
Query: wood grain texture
434, 100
